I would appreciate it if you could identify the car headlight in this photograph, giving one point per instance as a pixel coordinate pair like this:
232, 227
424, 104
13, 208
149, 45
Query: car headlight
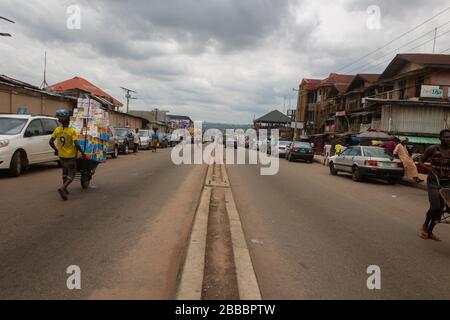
4, 143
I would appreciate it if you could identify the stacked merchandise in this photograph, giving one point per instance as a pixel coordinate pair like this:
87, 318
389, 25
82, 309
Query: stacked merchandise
91, 123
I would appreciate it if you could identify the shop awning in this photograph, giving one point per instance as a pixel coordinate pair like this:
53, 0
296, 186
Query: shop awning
359, 114
421, 140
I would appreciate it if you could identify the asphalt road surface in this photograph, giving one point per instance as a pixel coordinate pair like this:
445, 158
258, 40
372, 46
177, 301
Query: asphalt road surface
127, 233
313, 236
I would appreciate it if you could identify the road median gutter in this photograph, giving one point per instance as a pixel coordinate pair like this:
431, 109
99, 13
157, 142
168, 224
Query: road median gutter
218, 263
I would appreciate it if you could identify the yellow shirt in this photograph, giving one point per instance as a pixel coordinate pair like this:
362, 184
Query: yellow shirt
65, 138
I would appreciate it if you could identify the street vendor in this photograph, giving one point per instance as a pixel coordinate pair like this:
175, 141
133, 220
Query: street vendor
155, 139
66, 149
439, 158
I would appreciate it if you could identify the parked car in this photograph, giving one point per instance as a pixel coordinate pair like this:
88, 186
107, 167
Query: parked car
125, 139
421, 169
282, 148
171, 140
364, 162
300, 150
113, 146
145, 139
24, 140
164, 140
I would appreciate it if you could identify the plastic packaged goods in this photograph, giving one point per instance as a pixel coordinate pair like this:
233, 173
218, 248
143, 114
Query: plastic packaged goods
91, 123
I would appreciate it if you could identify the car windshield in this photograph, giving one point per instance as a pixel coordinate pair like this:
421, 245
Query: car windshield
143, 133
11, 126
283, 143
302, 145
376, 153
121, 132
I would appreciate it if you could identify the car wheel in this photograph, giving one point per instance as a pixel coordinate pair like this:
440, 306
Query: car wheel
333, 170
356, 174
116, 152
15, 169
392, 181
85, 181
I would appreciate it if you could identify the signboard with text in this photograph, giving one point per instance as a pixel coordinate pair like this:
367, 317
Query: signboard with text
431, 92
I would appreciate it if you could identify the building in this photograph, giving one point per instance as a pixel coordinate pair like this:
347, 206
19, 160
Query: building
21, 97
77, 84
328, 100
305, 105
78, 87
353, 117
418, 106
275, 120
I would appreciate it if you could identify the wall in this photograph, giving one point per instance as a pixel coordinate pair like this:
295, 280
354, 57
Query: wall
415, 119
118, 119
34, 103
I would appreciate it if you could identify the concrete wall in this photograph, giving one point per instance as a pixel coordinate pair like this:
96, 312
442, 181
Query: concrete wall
11, 102
118, 119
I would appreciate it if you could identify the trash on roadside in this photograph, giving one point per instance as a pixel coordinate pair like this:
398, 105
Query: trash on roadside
260, 242
394, 196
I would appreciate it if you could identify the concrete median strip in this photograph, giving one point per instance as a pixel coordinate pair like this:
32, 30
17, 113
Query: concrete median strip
193, 274
190, 286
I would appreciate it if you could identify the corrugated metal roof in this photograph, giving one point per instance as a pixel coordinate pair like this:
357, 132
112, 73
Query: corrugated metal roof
275, 116
83, 84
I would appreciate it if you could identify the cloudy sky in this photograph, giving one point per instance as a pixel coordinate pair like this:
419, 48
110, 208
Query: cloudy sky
215, 60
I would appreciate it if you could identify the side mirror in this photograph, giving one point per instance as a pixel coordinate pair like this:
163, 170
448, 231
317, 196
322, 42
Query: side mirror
28, 134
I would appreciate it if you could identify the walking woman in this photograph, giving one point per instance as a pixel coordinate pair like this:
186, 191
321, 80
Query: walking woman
409, 165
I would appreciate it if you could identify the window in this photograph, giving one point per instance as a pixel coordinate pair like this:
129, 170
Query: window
419, 82
49, 125
403, 90
34, 129
376, 153
11, 126
346, 152
355, 152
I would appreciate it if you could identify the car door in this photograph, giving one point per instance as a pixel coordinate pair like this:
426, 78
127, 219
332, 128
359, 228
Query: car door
34, 141
342, 161
355, 157
49, 125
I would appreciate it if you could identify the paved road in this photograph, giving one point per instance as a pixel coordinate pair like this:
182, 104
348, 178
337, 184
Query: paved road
316, 234
126, 233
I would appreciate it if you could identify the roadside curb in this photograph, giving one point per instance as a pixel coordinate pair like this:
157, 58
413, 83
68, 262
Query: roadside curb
192, 272
247, 281
191, 281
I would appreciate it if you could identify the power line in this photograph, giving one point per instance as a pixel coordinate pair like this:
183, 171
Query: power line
409, 50
395, 39
406, 44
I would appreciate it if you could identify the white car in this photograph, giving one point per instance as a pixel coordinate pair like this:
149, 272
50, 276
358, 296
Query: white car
24, 140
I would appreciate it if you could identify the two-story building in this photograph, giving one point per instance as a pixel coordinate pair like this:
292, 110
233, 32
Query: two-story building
418, 105
329, 100
353, 117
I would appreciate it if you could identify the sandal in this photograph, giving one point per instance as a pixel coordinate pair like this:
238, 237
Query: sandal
63, 194
423, 234
434, 237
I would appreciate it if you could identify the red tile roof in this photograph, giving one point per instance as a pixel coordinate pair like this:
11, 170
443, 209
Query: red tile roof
83, 84
339, 81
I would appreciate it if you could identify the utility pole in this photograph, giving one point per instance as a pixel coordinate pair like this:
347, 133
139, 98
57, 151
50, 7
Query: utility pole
434, 43
44, 84
5, 34
128, 96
